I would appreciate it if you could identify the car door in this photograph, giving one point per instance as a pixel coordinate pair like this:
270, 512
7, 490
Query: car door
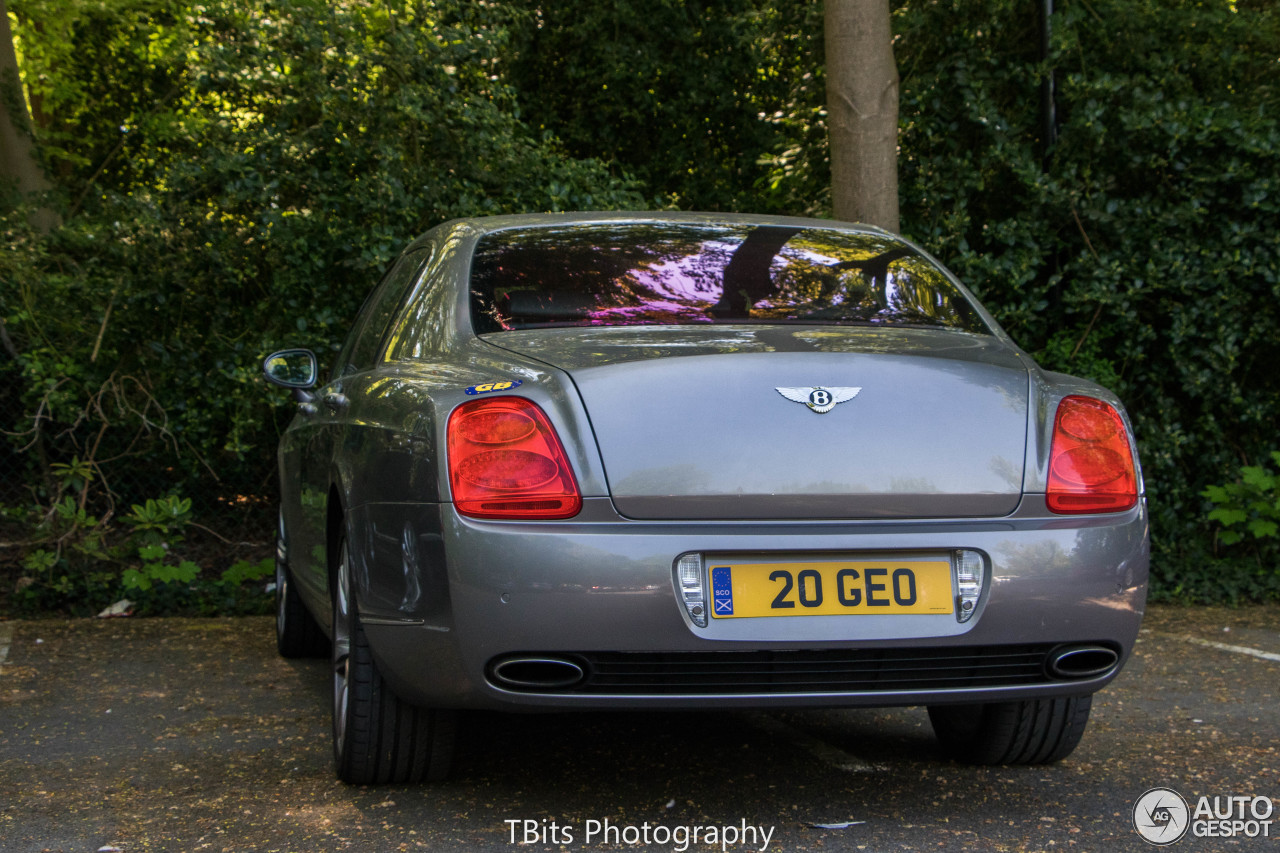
317, 436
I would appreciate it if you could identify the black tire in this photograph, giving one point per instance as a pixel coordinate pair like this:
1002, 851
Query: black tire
1032, 731
377, 737
298, 635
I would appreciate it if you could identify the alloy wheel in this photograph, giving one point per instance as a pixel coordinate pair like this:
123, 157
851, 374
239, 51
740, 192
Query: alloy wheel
342, 629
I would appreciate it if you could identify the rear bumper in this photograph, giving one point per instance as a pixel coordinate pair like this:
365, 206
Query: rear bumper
444, 598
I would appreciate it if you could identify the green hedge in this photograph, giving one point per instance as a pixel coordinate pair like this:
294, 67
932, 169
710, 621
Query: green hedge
269, 161
1141, 248
235, 175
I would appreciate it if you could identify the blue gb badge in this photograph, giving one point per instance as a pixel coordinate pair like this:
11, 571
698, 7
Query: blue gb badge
722, 591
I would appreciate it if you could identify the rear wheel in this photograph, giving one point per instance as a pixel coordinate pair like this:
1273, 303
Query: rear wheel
297, 633
1031, 731
378, 737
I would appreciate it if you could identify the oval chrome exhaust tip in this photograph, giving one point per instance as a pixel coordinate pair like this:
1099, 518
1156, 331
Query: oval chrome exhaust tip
1081, 661
537, 673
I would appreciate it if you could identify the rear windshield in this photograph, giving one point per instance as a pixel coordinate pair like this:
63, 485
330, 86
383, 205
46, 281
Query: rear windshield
642, 274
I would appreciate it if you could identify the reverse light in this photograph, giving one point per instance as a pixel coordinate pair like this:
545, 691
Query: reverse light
506, 461
969, 569
1091, 467
692, 592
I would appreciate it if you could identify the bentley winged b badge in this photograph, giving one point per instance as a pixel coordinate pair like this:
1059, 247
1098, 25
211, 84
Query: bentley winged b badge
820, 399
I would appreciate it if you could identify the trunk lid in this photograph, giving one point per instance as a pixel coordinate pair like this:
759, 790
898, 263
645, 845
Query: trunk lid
691, 425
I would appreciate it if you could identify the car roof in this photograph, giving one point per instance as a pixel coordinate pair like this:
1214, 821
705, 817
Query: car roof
481, 225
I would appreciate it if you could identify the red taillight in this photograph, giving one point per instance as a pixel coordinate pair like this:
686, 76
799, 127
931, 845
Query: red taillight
1090, 465
505, 461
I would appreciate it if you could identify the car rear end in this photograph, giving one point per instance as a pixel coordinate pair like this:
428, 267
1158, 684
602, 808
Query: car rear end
679, 514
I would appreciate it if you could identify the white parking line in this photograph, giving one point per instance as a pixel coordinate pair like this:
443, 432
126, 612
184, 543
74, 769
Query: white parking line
6, 640
1240, 650
820, 749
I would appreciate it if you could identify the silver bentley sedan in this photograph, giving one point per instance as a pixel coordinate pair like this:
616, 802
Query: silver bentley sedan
612, 460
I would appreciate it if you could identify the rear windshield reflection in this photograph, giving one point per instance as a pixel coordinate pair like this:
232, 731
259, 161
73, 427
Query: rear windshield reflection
642, 274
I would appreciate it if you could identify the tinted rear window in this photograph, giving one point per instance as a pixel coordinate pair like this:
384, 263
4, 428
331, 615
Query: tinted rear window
670, 274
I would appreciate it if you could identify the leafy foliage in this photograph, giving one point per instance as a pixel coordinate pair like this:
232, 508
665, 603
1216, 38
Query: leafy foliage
1252, 502
234, 176
82, 563
266, 167
1245, 558
1138, 249
688, 96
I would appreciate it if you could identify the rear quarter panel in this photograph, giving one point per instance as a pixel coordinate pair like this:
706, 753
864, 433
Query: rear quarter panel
393, 454
1047, 390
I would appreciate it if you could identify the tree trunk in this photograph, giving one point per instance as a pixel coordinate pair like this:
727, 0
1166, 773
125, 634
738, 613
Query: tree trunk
862, 111
18, 164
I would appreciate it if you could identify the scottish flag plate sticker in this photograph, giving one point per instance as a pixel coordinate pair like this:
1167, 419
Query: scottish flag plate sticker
722, 590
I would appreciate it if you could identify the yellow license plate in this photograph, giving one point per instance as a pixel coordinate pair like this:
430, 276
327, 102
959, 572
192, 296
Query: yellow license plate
837, 588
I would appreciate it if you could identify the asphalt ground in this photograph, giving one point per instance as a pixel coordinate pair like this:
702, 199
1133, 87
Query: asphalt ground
192, 735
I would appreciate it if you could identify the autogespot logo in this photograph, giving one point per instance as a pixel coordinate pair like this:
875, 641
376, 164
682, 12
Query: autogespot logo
1161, 816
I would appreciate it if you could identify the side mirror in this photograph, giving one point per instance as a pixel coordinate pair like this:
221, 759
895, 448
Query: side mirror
292, 368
